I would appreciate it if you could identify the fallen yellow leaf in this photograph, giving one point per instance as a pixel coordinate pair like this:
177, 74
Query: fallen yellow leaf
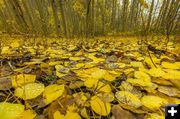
58, 115
139, 82
100, 107
153, 102
69, 115
169, 65
10, 111
128, 98
29, 91
156, 72
52, 92
141, 75
27, 114
22, 79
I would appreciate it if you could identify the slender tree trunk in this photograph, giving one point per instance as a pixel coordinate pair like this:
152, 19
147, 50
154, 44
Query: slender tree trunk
63, 18
150, 17
92, 17
124, 14
88, 17
113, 22
56, 19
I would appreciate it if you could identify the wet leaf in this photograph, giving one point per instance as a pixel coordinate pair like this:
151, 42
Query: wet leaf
10, 111
29, 91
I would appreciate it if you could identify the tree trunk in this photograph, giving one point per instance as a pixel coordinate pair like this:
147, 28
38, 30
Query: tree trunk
63, 18
56, 19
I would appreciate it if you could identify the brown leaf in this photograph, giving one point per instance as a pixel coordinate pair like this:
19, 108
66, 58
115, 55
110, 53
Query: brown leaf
5, 83
170, 91
120, 113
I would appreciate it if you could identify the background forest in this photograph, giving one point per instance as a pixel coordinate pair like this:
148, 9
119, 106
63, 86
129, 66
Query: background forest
70, 18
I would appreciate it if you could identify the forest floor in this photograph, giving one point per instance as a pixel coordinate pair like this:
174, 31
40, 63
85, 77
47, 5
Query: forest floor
105, 77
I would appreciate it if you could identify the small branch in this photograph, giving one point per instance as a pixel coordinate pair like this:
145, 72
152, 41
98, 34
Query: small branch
151, 59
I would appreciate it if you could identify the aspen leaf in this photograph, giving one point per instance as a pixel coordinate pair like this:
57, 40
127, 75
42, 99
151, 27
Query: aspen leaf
90, 83
172, 74
102, 87
29, 91
52, 92
109, 77
72, 115
128, 98
58, 115
98, 85
141, 75
98, 74
153, 102
22, 79
27, 114
69, 115
170, 65
139, 82
137, 64
168, 90
10, 111
156, 72
100, 107
106, 97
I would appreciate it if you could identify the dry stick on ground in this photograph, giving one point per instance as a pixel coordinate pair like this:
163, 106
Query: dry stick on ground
151, 59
